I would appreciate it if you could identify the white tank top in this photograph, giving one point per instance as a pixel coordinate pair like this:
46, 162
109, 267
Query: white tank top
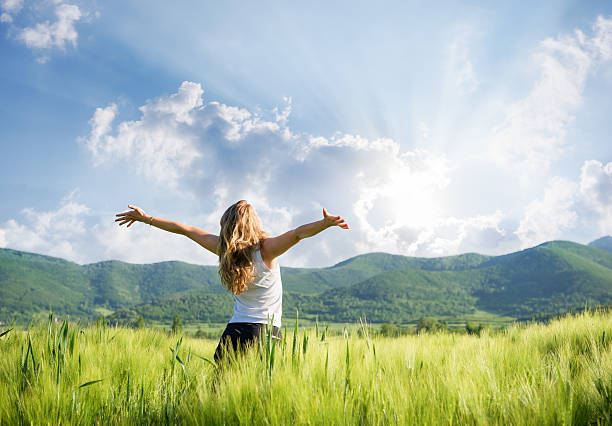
263, 299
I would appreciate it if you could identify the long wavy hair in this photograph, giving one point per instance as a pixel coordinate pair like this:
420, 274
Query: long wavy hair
241, 234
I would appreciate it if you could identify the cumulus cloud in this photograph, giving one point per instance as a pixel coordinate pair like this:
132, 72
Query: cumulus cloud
546, 219
141, 243
11, 6
101, 124
390, 196
596, 190
585, 202
48, 35
282, 116
74, 232
51, 232
533, 133
161, 143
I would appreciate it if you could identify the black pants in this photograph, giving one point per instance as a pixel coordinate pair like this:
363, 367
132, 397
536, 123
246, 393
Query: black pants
238, 335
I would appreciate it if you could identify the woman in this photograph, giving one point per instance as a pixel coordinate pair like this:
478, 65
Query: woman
247, 265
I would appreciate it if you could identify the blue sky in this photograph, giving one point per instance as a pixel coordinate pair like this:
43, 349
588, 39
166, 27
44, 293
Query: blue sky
432, 130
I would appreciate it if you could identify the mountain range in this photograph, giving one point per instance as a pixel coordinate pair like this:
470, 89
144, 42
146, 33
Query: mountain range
553, 277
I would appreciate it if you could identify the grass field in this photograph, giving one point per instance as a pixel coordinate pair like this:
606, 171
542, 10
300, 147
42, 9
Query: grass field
454, 323
560, 373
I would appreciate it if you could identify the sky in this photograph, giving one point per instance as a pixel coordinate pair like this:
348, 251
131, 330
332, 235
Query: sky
433, 131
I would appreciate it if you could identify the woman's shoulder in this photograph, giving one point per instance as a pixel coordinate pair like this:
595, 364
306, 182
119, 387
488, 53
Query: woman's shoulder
270, 263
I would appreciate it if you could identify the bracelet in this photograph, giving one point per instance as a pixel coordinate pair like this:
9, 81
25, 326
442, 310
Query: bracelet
151, 221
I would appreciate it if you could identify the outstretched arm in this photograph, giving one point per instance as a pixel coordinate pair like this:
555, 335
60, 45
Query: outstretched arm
274, 247
205, 239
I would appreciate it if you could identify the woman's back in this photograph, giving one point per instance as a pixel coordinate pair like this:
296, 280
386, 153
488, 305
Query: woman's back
256, 302
262, 301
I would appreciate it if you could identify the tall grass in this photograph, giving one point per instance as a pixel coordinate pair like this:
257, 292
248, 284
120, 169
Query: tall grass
560, 373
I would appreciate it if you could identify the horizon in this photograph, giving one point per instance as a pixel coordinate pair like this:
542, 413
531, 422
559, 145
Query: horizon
320, 267
432, 131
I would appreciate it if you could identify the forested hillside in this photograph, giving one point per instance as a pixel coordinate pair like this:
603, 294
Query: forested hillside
550, 278
604, 243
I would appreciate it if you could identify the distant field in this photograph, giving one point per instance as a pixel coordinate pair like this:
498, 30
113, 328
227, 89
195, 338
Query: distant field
454, 323
560, 373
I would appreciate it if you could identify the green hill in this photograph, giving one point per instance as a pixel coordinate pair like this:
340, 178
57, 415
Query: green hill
603, 243
553, 277
362, 267
32, 283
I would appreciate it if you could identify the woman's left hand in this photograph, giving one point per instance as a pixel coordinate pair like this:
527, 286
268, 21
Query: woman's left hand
134, 215
329, 220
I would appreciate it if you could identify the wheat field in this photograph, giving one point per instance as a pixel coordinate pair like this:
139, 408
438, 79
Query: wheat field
536, 374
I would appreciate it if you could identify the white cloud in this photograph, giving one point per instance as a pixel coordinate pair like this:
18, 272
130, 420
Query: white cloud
416, 224
12, 6
47, 35
53, 232
9, 8
601, 43
533, 133
584, 203
596, 190
283, 116
460, 235
160, 143
43, 59
99, 143
143, 244
72, 231
404, 191
546, 219
390, 197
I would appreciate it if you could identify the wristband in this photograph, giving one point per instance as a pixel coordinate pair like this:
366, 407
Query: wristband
151, 221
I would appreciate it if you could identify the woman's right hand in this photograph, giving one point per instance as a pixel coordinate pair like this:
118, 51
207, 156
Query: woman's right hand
329, 220
134, 215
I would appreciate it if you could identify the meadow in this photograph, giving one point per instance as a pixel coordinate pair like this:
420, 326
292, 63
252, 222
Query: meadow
538, 374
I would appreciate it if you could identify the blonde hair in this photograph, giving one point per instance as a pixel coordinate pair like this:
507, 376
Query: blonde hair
241, 234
